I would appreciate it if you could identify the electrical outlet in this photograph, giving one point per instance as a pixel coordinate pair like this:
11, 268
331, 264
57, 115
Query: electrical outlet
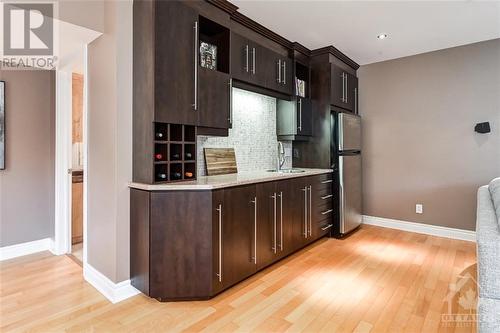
419, 208
288, 152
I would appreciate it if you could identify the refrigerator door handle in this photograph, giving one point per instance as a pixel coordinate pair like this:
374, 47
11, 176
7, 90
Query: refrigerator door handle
341, 193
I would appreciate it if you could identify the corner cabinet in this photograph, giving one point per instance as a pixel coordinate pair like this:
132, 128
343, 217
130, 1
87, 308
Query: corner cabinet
189, 245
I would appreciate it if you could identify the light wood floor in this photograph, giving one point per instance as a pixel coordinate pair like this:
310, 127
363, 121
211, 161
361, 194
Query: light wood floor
377, 280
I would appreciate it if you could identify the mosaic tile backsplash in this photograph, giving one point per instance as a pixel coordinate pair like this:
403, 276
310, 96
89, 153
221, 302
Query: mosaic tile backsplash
253, 135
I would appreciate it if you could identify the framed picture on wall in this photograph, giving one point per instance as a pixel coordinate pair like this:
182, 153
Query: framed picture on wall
2, 125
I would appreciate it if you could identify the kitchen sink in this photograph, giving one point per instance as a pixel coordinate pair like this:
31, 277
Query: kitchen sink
287, 171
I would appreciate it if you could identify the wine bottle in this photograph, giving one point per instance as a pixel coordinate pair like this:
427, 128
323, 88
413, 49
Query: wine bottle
176, 175
189, 156
159, 156
162, 176
188, 174
159, 135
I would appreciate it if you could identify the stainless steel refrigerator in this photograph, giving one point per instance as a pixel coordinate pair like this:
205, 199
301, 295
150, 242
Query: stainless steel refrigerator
346, 163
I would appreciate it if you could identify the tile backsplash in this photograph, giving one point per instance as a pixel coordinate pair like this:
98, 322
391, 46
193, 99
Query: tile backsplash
253, 135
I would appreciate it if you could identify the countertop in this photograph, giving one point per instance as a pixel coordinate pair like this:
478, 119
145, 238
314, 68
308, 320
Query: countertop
230, 180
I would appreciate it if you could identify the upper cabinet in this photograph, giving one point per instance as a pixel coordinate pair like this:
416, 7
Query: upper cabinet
190, 59
344, 89
255, 64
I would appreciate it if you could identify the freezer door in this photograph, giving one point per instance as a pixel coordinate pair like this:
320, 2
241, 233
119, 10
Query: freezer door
349, 132
350, 192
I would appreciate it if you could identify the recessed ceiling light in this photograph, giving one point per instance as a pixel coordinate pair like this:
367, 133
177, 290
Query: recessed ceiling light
382, 36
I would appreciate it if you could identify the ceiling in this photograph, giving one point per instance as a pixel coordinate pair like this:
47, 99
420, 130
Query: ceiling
353, 26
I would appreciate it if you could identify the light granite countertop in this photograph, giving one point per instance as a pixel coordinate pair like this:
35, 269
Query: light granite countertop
230, 180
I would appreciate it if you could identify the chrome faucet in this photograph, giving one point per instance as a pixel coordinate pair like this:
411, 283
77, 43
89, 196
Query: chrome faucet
281, 156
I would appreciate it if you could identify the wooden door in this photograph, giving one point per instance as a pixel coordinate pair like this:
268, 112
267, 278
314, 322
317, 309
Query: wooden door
267, 224
352, 92
174, 63
337, 86
300, 200
287, 83
218, 218
259, 57
77, 213
240, 57
304, 116
214, 90
239, 234
289, 216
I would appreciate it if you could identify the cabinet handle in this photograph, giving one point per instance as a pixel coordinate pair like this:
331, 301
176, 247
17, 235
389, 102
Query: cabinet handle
230, 101
254, 201
219, 275
310, 210
278, 79
327, 212
300, 114
253, 60
327, 196
356, 100
195, 104
343, 88
327, 227
346, 90
327, 181
246, 58
305, 211
281, 221
274, 248
284, 72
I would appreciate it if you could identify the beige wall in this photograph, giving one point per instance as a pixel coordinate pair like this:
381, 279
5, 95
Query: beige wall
27, 184
419, 144
110, 142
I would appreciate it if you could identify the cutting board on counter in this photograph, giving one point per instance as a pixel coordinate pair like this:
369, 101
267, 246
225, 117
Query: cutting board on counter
220, 161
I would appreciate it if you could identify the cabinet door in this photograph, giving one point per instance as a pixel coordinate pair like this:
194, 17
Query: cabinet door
214, 90
289, 215
239, 237
304, 116
240, 57
337, 86
174, 63
300, 199
267, 224
352, 93
258, 59
286, 76
218, 280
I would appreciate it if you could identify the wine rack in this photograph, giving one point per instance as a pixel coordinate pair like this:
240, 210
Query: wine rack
174, 157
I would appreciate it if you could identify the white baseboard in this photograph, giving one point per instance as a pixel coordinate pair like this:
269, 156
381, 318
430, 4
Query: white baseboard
23, 249
114, 292
421, 228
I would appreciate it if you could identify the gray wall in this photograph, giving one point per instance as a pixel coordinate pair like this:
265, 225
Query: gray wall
110, 143
419, 145
27, 184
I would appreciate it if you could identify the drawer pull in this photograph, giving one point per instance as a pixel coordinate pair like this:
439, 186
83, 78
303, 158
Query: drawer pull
327, 196
327, 181
327, 212
327, 227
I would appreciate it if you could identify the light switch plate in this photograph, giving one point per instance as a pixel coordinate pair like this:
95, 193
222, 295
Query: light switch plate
419, 208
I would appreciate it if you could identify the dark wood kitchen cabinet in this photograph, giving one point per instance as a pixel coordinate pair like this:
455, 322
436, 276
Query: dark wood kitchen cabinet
239, 227
167, 64
344, 89
193, 244
279, 73
173, 61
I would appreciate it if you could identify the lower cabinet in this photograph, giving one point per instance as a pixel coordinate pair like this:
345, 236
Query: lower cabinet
188, 245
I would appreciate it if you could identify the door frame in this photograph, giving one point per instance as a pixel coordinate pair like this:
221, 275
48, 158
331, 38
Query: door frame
63, 158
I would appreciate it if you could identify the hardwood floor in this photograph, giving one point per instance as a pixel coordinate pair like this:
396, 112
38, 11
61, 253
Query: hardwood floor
377, 280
